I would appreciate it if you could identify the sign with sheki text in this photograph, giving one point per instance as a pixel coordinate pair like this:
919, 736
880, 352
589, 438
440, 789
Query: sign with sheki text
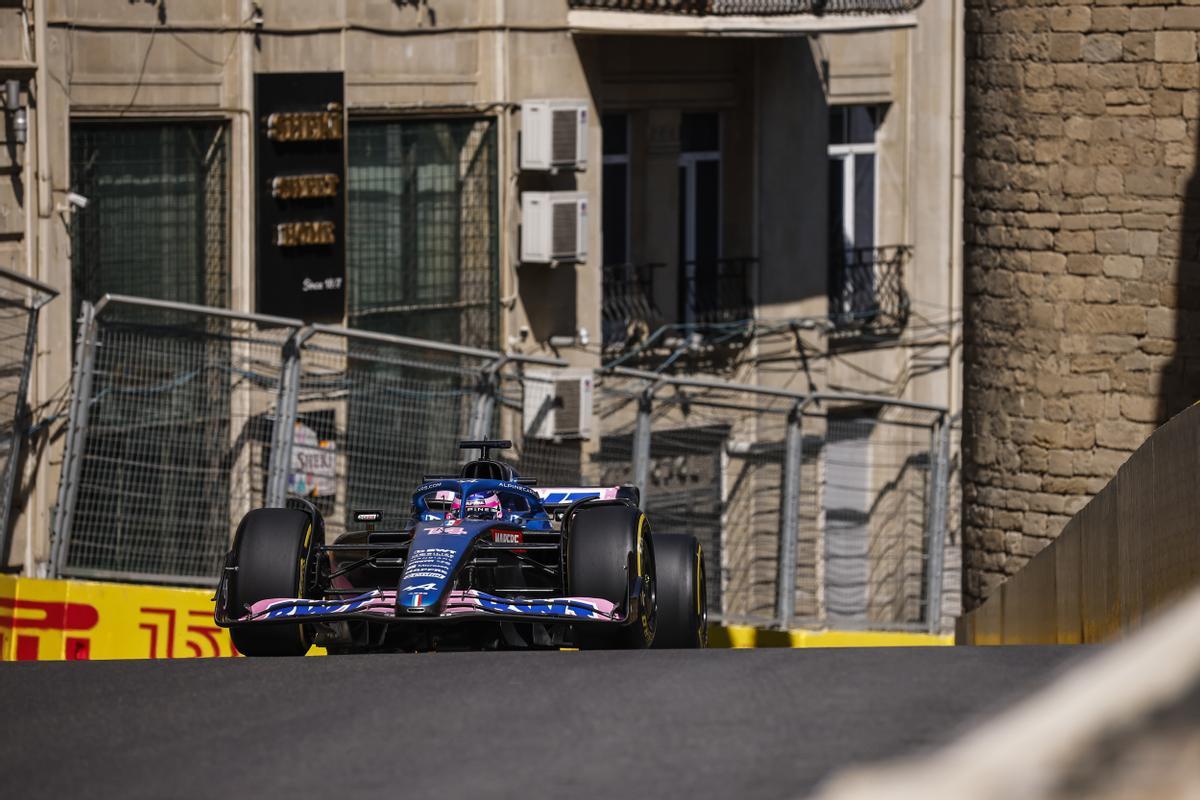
300, 190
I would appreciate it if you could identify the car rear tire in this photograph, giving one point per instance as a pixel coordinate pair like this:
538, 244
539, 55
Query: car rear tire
682, 599
606, 547
273, 551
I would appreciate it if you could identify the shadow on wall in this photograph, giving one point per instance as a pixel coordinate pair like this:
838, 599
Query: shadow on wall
1180, 385
769, 97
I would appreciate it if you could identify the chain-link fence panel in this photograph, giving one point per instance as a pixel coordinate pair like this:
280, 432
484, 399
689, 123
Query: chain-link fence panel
541, 410
825, 509
183, 418
876, 498
374, 417
172, 417
816, 510
21, 299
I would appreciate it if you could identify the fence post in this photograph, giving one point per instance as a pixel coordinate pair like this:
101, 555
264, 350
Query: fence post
19, 430
283, 436
789, 514
641, 443
939, 448
485, 402
77, 424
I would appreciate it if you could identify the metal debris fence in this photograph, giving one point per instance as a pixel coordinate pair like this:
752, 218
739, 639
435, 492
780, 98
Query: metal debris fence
21, 300
812, 509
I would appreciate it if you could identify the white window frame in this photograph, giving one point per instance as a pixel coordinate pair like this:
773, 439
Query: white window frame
846, 153
689, 161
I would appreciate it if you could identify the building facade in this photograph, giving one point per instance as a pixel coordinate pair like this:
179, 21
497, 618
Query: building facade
772, 189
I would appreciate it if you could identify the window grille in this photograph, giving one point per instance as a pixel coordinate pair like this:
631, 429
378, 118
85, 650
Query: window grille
422, 257
157, 222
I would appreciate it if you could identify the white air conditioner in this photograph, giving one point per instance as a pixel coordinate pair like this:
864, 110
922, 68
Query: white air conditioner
554, 134
554, 227
558, 404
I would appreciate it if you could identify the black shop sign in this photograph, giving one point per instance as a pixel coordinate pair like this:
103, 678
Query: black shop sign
300, 190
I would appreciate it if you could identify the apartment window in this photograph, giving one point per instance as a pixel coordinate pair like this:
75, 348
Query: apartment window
615, 214
421, 255
699, 213
157, 222
852, 175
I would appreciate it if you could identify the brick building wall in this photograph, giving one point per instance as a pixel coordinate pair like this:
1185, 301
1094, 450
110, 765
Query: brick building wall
1082, 288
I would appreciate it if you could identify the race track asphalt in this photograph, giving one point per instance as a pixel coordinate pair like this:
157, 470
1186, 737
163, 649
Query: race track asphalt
713, 724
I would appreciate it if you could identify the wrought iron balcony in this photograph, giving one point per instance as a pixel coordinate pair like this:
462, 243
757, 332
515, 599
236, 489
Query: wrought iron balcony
711, 293
750, 7
628, 311
717, 291
866, 290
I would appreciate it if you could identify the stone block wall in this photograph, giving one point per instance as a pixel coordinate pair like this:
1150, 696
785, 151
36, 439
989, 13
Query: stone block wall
1082, 281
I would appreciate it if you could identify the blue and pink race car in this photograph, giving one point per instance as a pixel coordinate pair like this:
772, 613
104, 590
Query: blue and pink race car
487, 560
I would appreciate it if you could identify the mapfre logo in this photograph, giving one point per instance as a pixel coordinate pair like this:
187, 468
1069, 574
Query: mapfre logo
507, 537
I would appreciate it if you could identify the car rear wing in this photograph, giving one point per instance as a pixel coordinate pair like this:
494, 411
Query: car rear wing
558, 499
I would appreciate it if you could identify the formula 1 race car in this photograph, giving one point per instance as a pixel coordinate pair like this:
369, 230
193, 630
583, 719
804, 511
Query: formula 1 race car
486, 561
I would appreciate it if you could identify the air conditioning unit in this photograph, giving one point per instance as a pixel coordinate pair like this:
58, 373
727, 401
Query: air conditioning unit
554, 227
554, 134
558, 404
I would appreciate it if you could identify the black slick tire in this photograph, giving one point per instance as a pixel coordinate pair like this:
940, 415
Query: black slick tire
607, 546
682, 599
272, 551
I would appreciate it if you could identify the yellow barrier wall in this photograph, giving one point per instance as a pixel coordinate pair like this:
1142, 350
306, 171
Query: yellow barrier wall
53, 620
744, 636
1131, 551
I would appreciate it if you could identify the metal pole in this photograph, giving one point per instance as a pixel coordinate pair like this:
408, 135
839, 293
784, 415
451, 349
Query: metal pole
19, 430
77, 423
641, 444
940, 449
283, 436
485, 403
789, 515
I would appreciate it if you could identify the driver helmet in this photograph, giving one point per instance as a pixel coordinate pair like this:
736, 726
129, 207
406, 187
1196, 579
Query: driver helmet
479, 505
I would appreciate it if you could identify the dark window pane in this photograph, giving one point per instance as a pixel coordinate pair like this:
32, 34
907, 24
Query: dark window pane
421, 255
700, 133
157, 222
837, 124
708, 210
861, 124
615, 216
864, 201
615, 134
837, 202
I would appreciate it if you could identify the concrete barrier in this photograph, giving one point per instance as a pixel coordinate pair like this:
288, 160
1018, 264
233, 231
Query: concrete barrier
1134, 549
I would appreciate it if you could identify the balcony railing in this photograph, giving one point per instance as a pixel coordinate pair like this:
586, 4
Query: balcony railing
866, 290
711, 293
751, 7
717, 291
628, 310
